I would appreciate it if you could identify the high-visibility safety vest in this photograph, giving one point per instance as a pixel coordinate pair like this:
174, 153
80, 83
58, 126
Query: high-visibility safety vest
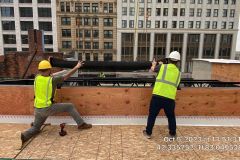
42, 91
167, 81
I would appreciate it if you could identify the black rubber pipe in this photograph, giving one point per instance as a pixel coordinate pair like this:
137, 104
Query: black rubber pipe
102, 66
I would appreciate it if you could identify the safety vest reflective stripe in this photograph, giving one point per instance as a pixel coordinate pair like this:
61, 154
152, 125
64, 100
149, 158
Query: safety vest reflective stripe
165, 81
47, 91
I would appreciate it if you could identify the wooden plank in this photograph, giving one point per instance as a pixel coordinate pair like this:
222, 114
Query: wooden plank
17, 100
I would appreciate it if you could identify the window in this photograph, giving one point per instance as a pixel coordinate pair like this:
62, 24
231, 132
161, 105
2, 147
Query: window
132, 1
159, 1
6, 1
124, 23
87, 55
107, 57
108, 45
9, 50
87, 33
182, 12
108, 34
158, 11
191, 12
225, 1
157, 24
44, 1
131, 24
87, 21
230, 25
165, 23
78, 21
7, 12
25, 1
149, 11
141, 11
207, 24
86, 7
175, 1
94, 8
27, 49
181, 24
48, 39
209, 1
140, 23
66, 44
46, 26
9, 39
24, 39
78, 7
124, 1
26, 25
225, 12
174, 24
62, 7
165, 1
67, 6
209, 45
124, 11
25, 11
44, 12
208, 14
108, 22
131, 11
215, 13
216, 1
148, 25
198, 24
192, 1
8, 25
190, 24
79, 33
233, 1
200, 1
95, 56
183, 1
214, 25
95, 45
165, 12
175, 12
108, 7
199, 12
66, 32
66, 21
79, 44
95, 22
232, 12
225, 46
224, 25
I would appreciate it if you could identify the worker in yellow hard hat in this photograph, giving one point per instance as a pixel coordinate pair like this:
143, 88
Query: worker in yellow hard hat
45, 85
164, 93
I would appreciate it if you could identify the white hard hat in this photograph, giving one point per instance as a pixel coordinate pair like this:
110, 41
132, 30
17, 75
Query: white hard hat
174, 56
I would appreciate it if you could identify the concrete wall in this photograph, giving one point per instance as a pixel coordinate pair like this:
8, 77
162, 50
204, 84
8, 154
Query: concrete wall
201, 70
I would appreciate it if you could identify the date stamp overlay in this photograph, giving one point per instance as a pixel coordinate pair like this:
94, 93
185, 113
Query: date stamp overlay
188, 143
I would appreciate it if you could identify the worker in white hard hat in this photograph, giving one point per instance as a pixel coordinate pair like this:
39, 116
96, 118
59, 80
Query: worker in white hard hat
164, 93
45, 84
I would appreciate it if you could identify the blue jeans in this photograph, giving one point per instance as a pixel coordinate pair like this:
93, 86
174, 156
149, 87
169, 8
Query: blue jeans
42, 114
157, 103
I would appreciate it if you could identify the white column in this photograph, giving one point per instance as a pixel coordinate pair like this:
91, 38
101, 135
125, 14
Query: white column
168, 44
234, 43
135, 46
35, 14
216, 53
119, 45
54, 25
151, 46
17, 26
184, 52
200, 50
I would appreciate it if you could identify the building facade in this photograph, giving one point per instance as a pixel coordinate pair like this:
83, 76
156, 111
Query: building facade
18, 16
196, 28
88, 27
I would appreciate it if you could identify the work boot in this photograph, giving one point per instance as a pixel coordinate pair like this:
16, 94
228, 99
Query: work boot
145, 134
172, 133
23, 139
84, 126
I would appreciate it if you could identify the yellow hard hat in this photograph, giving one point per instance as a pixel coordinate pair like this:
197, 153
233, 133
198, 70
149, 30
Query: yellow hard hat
44, 65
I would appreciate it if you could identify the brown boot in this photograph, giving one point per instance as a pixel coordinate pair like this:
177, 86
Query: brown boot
85, 126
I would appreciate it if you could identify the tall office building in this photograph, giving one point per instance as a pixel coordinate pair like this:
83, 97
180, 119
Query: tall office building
88, 28
18, 16
195, 28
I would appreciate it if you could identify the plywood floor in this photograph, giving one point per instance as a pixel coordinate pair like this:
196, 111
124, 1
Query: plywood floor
124, 142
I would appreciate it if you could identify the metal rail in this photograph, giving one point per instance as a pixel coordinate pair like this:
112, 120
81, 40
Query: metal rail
126, 82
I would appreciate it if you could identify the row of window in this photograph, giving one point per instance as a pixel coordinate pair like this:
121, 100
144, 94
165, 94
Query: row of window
25, 49
86, 21
26, 25
94, 56
233, 2
86, 7
180, 12
25, 1
180, 24
11, 39
25, 12
86, 45
87, 33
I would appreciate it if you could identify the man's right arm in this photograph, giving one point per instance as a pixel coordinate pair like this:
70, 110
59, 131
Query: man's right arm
72, 71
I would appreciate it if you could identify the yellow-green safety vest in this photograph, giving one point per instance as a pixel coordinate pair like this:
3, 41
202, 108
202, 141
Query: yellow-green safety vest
42, 91
167, 81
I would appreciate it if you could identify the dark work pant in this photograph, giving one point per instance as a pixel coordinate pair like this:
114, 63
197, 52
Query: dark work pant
157, 103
